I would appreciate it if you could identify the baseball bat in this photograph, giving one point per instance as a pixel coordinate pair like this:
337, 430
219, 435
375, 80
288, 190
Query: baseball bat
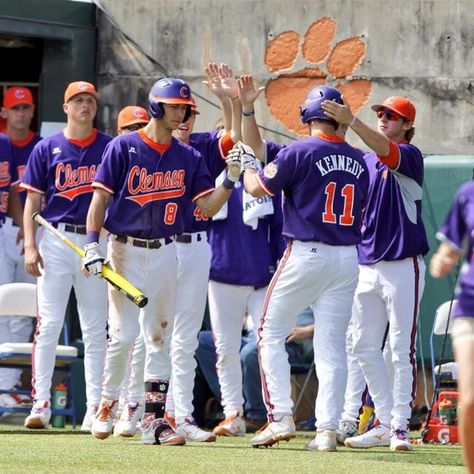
114, 278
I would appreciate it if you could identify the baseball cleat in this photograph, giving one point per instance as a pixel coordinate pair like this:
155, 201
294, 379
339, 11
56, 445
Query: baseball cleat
276, 431
191, 432
127, 424
233, 425
158, 431
347, 429
323, 441
103, 423
400, 441
89, 418
379, 435
39, 416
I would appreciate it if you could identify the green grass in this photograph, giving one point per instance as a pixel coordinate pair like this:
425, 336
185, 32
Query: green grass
67, 451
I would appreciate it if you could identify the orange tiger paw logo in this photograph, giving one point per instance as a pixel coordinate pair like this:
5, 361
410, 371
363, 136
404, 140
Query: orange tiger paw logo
288, 91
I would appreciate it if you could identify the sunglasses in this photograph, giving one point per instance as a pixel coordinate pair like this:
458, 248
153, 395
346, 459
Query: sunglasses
389, 114
134, 127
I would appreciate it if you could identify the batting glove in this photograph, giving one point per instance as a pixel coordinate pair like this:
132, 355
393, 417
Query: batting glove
247, 157
93, 260
233, 164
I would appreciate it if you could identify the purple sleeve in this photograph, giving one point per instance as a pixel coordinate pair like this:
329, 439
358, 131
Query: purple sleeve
202, 181
454, 228
111, 169
411, 162
279, 174
35, 177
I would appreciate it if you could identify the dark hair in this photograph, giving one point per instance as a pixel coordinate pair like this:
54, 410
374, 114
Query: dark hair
409, 134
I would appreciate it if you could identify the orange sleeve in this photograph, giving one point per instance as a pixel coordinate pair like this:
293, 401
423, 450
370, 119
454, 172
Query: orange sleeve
392, 160
225, 145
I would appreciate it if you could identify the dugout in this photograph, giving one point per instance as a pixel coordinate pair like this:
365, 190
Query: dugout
44, 45
444, 174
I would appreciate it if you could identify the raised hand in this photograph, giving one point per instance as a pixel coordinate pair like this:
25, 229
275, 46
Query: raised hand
247, 91
228, 81
213, 80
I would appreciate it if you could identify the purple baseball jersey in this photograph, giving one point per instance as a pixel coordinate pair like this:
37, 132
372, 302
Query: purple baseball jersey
7, 174
393, 228
63, 170
325, 183
240, 255
458, 231
151, 191
21, 152
209, 145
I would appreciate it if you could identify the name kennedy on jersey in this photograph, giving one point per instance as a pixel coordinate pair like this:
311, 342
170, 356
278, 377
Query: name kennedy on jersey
339, 162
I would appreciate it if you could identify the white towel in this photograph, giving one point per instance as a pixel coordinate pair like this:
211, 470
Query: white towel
255, 208
222, 212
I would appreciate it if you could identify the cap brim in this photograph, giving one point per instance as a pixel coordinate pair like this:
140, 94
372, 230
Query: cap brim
94, 94
133, 122
377, 107
165, 100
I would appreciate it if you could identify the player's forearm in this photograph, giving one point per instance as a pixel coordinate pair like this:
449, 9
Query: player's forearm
212, 203
236, 132
32, 205
96, 215
251, 133
252, 186
373, 139
226, 112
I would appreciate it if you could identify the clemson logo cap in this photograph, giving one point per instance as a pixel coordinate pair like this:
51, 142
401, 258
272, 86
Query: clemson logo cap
401, 105
17, 95
79, 87
131, 115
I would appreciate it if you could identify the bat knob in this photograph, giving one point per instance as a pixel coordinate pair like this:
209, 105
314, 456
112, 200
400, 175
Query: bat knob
141, 301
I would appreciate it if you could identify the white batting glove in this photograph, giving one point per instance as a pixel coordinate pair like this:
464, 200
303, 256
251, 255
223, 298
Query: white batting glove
247, 157
233, 164
93, 260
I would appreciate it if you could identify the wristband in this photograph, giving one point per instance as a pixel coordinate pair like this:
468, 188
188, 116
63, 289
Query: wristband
92, 236
228, 183
352, 121
248, 114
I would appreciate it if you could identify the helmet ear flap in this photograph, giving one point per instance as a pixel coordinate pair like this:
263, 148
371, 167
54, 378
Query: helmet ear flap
188, 113
156, 110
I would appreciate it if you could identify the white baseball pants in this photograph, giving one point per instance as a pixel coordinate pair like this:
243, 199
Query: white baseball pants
154, 271
228, 305
133, 383
62, 269
323, 277
389, 291
194, 261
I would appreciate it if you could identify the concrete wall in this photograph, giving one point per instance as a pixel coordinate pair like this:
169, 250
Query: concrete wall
369, 48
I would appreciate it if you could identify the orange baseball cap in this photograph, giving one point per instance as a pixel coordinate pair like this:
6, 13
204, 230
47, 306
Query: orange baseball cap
400, 105
131, 115
79, 87
17, 95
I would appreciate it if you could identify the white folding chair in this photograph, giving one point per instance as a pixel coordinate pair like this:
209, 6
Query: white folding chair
19, 299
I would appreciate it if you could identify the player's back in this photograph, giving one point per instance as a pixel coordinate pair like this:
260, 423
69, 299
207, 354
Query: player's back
325, 183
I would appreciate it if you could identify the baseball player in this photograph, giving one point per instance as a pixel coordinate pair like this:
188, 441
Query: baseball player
18, 110
145, 185
457, 239
194, 258
324, 181
60, 171
131, 402
392, 269
9, 200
